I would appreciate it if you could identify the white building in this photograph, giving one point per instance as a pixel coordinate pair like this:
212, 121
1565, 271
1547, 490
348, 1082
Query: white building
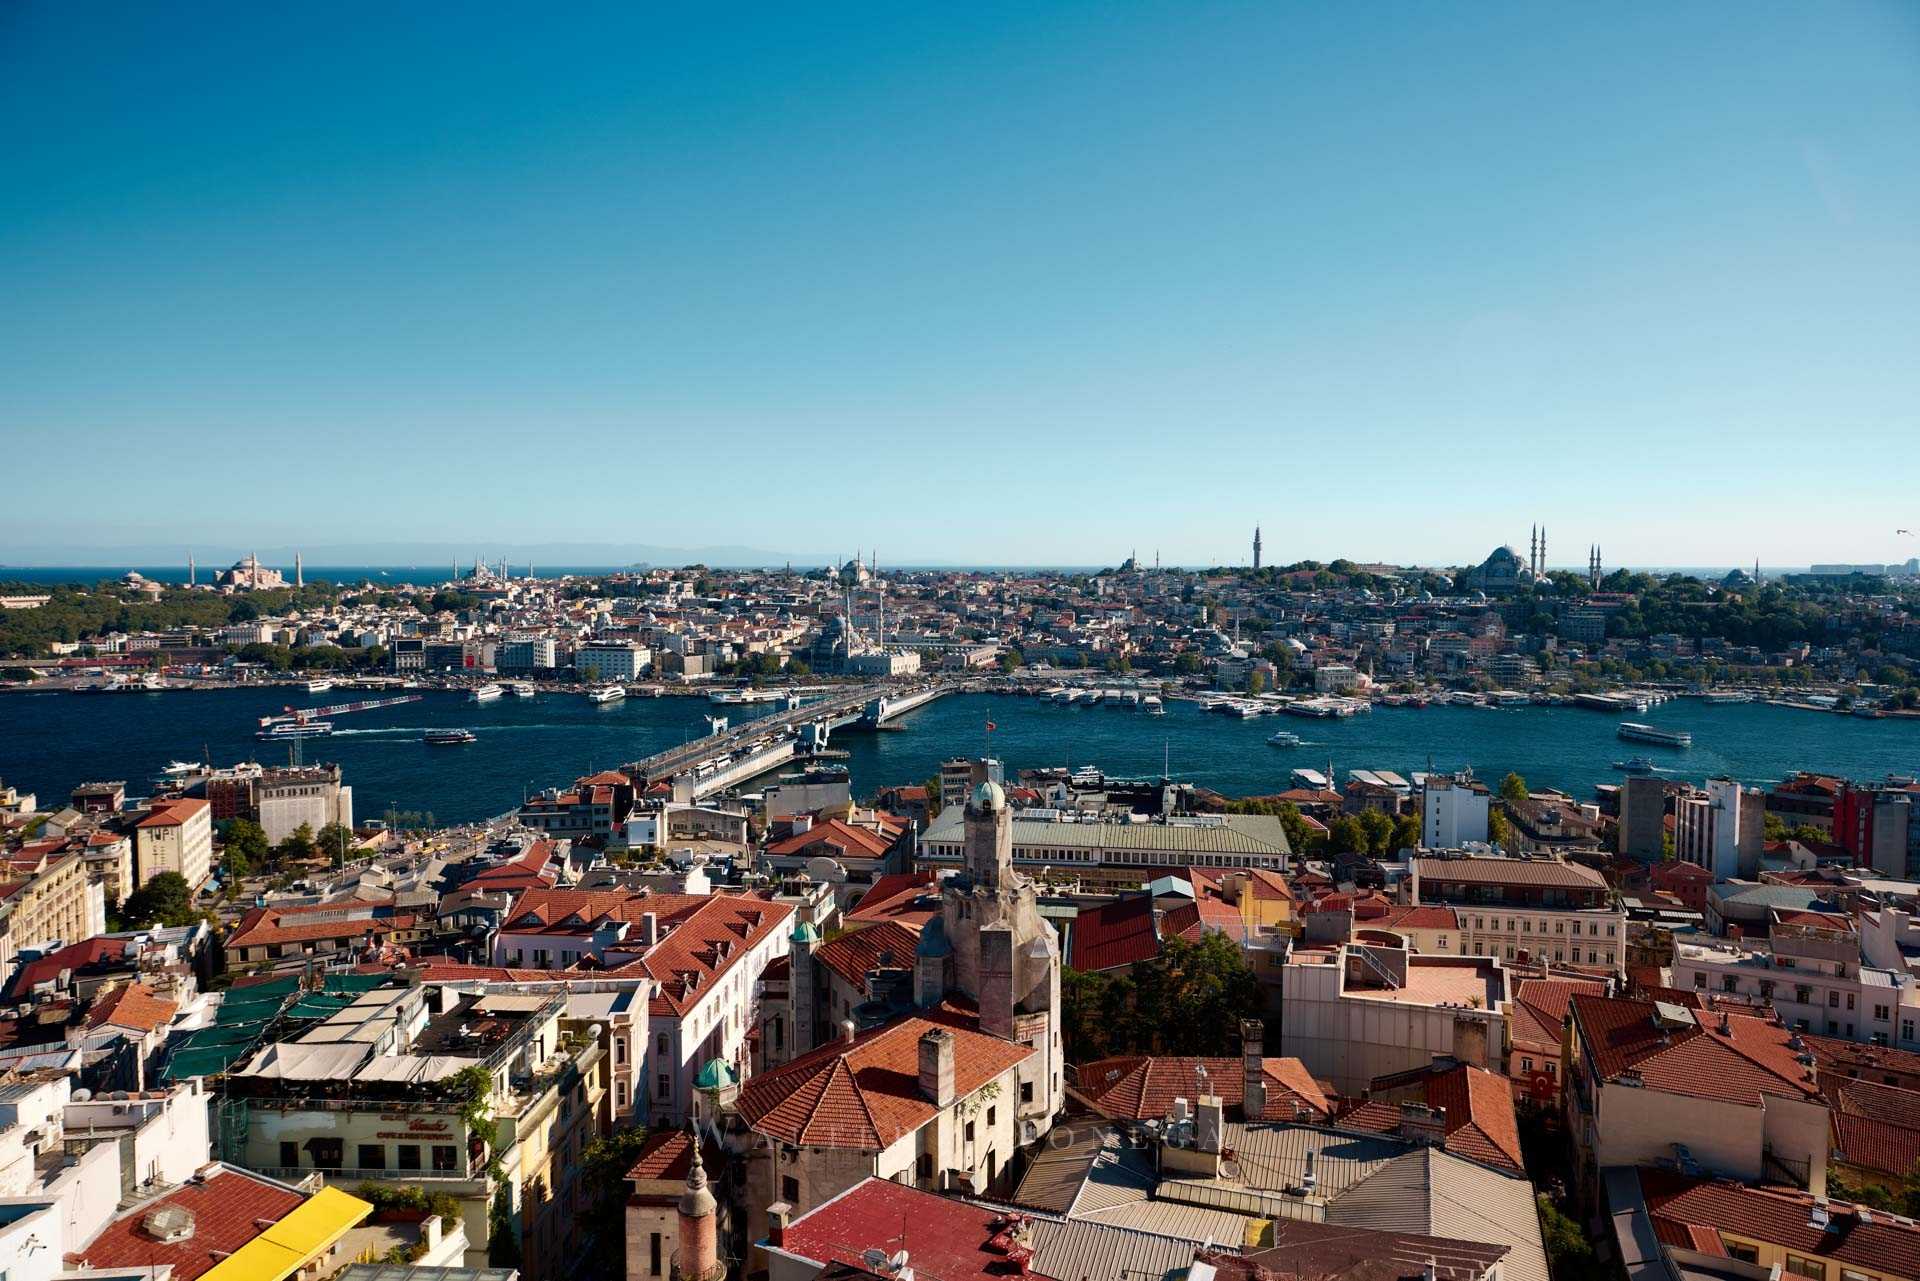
1454, 813
611, 661
176, 836
1338, 678
312, 795
1719, 829
1813, 976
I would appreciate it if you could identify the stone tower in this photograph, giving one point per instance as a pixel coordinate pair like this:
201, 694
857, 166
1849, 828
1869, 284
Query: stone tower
1256, 546
805, 940
697, 1256
989, 834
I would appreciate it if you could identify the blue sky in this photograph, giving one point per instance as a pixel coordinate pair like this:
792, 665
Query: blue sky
999, 283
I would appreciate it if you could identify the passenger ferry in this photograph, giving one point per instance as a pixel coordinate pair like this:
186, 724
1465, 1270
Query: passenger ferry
1510, 698
178, 769
1154, 706
521, 689
1718, 697
296, 729
447, 737
1284, 738
606, 694
1638, 765
1639, 733
488, 692
320, 686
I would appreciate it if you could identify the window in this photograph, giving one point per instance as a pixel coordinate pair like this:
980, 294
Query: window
653, 1255
1744, 1253
790, 1190
992, 1113
663, 1085
1728, 983
1880, 1013
409, 1154
1026, 1091
969, 1131
373, 1156
1806, 1267
1699, 980
620, 1049
1833, 1000
925, 1165
327, 1154
445, 1157
1526, 1064
1848, 1274
660, 1043
290, 1154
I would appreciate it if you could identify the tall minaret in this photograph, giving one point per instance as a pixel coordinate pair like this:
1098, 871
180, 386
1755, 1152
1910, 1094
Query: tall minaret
1256, 546
299, 574
1542, 566
190, 569
1533, 550
698, 1255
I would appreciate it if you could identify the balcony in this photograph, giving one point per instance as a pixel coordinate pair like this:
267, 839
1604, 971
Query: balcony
344, 1176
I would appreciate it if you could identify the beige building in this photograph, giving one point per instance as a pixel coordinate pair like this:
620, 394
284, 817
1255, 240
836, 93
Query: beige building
312, 795
54, 900
175, 836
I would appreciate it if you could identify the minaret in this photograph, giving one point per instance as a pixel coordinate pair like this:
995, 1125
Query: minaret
698, 1255
804, 940
1256, 546
1533, 550
190, 569
299, 574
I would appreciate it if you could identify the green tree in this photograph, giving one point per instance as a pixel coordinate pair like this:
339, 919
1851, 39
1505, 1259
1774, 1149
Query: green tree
298, 845
1011, 661
165, 899
1513, 789
1499, 830
1378, 830
1300, 837
1569, 1252
1773, 828
1256, 682
334, 841
1186, 663
1808, 834
243, 846
1406, 833
1188, 1000
1345, 835
603, 1178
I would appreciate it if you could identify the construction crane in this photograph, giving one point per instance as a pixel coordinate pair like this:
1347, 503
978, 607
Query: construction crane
301, 715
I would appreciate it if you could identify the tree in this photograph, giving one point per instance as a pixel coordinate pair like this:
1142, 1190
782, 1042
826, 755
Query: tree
1345, 835
1188, 1000
1011, 661
1808, 834
1499, 830
1186, 663
334, 841
165, 899
1568, 1250
1406, 833
297, 846
1300, 837
1256, 682
1378, 829
933, 796
1773, 828
1513, 789
244, 846
603, 1178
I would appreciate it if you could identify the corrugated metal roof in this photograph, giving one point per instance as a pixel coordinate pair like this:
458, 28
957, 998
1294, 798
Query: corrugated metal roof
1069, 1249
1233, 834
1431, 1192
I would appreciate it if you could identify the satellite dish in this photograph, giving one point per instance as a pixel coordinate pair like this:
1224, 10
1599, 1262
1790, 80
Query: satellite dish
875, 1258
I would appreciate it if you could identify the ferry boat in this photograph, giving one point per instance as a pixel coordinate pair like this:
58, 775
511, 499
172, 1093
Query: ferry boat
488, 692
1154, 706
447, 737
1283, 738
605, 694
1511, 698
296, 729
320, 686
1636, 732
1638, 765
1726, 696
177, 769
521, 689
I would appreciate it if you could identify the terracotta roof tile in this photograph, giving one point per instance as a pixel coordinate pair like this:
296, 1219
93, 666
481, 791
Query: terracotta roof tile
228, 1211
1141, 1087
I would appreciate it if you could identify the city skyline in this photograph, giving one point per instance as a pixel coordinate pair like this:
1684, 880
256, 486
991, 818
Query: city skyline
1046, 284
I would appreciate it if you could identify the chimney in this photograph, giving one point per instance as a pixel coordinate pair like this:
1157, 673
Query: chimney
779, 1215
1208, 1118
1422, 1123
996, 982
936, 1067
1253, 1070
846, 1030
649, 928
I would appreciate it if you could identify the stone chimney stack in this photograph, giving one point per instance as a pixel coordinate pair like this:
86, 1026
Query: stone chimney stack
1253, 1069
996, 982
1422, 1123
936, 1067
1209, 1117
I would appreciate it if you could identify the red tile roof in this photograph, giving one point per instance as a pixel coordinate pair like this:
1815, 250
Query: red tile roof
886, 945
1887, 1103
94, 953
229, 1209
1115, 934
865, 1093
1874, 1144
1480, 1121
1539, 1009
265, 926
172, 812
1749, 1060
133, 1006
704, 935
1781, 1217
1142, 1087
945, 1239
530, 871
893, 897
843, 838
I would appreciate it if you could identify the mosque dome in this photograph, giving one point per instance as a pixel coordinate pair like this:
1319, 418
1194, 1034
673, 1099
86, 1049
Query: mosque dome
989, 797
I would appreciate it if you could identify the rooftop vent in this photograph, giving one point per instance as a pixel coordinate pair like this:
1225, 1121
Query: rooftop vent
1818, 1216
169, 1224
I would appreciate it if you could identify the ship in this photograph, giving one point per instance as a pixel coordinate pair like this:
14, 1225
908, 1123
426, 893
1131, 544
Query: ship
1639, 733
1154, 706
1726, 696
1638, 765
605, 694
177, 769
445, 737
296, 729
320, 685
488, 692
1283, 738
521, 689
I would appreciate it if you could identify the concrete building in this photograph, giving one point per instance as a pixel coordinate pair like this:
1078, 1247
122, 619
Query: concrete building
175, 836
1542, 909
1812, 974
1643, 818
49, 897
1106, 855
1720, 828
1366, 1010
617, 661
310, 795
527, 654
1453, 812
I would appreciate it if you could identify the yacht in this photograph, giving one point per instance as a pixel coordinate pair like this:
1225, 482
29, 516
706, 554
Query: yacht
1638, 765
319, 686
605, 694
1639, 733
296, 729
488, 692
1284, 738
446, 737
1154, 706
521, 689
178, 769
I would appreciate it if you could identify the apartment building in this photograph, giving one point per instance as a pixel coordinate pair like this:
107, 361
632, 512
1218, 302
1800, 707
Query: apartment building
310, 796
1719, 828
175, 836
1453, 812
1810, 970
48, 897
1104, 855
1542, 908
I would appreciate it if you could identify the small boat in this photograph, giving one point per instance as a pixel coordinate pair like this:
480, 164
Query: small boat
1638, 765
1282, 738
447, 737
605, 694
488, 692
521, 689
175, 769
319, 686
1154, 706
296, 729
1718, 697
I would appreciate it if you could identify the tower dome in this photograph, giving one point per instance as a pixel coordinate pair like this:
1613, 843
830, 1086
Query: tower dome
989, 797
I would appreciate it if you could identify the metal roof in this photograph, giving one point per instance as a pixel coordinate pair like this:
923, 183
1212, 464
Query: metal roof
1220, 834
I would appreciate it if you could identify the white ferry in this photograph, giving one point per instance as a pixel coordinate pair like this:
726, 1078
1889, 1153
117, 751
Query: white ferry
296, 729
1283, 738
521, 689
1154, 706
606, 694
488, 692
1639, 733
178, 769
319, 686
1718, 697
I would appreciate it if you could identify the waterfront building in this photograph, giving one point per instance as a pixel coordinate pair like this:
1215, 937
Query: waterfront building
1119, 855
1720, 829
175, 836
618, 661
248, 574
311, 796
528, 654
1454, 812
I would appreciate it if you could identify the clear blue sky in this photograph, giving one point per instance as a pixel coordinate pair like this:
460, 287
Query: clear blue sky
999, 283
